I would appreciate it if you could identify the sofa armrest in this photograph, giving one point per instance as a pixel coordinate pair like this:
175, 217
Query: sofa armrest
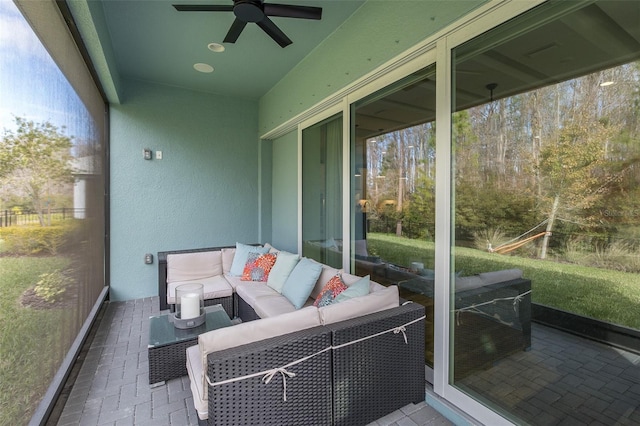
378, 374
246, 397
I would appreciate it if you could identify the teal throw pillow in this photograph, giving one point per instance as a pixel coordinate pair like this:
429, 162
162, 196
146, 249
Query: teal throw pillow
242, 255
280, 272
357, 289
301, 281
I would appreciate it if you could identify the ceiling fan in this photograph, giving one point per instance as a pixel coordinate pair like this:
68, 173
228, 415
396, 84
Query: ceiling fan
256, 11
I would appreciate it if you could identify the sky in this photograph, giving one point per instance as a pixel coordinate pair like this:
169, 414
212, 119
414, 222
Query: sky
31, 85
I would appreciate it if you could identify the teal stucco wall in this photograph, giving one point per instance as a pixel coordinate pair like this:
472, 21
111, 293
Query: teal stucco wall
204, 192
284, 192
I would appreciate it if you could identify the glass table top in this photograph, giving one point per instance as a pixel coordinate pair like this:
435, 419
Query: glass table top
162, 332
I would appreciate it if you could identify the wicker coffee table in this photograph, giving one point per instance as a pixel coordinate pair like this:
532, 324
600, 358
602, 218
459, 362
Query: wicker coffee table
168, 345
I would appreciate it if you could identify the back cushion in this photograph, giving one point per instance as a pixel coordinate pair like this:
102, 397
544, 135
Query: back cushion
300, 282
193, 266
469, 283
327, 273
285, 262
358, 306
241, 255
494, 277
227, 259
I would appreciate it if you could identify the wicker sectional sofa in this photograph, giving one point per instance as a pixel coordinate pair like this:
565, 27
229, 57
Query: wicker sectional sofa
347, 363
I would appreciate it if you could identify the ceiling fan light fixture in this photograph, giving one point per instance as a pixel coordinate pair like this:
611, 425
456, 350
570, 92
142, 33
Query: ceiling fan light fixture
204, 68
215, 47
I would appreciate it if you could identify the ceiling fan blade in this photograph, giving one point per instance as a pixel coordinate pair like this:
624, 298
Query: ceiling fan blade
274, 32
203, 8
234, 31
291, 11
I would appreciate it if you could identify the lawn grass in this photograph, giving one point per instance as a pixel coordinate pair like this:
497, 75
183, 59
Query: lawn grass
32, 341
606, 295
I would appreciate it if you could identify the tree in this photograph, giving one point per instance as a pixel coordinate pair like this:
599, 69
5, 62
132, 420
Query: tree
570, 168
34, 160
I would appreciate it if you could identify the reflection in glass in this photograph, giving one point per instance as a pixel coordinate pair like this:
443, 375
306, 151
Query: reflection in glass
322, 192
544, 153
392, 190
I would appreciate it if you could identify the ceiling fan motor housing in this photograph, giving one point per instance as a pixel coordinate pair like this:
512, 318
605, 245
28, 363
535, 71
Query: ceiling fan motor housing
257, 12
249, 10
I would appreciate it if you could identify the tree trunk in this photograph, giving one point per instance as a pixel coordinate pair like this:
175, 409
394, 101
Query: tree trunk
552, 218
399, 228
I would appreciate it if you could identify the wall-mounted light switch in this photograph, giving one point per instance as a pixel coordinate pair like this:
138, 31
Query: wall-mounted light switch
148, 258
158, 155
147, 154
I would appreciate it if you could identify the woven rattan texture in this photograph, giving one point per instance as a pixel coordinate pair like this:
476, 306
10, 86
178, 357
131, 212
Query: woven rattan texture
169, 362
245, 311
374, 377
252, 402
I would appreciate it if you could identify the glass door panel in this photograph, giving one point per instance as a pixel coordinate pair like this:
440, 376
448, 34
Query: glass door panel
322, 192
546, 142
392, 190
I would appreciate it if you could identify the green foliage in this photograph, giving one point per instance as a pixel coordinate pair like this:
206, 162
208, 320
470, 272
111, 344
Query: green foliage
34, 160
29, 240
420, 212
618, 255
489, 207
33, 342
52, 285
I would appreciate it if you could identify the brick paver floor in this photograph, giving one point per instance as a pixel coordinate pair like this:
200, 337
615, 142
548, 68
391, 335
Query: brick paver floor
563, 380
112, 386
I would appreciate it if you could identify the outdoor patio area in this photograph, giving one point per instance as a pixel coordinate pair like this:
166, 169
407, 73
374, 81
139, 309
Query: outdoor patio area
112, 386
562, 380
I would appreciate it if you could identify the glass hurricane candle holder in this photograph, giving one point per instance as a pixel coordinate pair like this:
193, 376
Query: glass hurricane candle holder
189, 305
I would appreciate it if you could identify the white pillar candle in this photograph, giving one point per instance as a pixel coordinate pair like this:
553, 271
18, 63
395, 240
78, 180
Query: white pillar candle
190, 305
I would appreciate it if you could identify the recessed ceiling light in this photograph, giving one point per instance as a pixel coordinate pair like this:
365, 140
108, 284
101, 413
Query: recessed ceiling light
206, 68
216, 47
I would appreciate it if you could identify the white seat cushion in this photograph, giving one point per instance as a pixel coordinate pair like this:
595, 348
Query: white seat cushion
213, 288
196, 376
272, 305
264, 300
234, 282
250, 290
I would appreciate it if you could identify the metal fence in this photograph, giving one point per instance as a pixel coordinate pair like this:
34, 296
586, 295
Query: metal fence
30, 217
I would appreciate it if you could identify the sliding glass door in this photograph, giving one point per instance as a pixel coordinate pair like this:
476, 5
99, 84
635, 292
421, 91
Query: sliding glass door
392, 189
546, 159
322, 183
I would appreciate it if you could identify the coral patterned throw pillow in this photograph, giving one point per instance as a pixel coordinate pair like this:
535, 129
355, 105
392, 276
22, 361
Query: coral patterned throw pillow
258, 266
330, 291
